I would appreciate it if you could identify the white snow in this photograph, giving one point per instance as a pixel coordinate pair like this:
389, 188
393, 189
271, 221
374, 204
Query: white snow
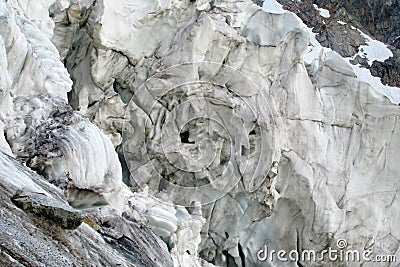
272, 6
315, 49
313, 55
363, 74
373, 50
322, 11
15, 178
341, 22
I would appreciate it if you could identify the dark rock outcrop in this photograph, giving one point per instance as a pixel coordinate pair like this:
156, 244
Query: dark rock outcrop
48, 208
388, 71
377, 18
135, 241
380, 18
36, 235
341, 38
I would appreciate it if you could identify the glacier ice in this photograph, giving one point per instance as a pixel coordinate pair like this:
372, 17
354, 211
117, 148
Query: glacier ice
231, 126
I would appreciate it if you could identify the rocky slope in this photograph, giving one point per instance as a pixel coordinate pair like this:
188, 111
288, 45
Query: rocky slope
220, 126
34, 235
339, 30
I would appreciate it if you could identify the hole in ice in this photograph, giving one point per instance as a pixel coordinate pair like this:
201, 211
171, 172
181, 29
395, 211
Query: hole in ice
185, 137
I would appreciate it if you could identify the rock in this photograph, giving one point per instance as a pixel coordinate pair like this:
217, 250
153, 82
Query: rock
41, 236
340, 38
53, 211
389, 70
380, 18
133, 239
339, 32
396, 42
91, 223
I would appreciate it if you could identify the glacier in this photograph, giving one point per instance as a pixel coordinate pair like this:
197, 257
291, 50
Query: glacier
193, 133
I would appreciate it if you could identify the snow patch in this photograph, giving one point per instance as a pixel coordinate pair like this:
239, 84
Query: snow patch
341, 22
373, 50
312, 58
314, 48
272, 6
364, 75
322, 11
